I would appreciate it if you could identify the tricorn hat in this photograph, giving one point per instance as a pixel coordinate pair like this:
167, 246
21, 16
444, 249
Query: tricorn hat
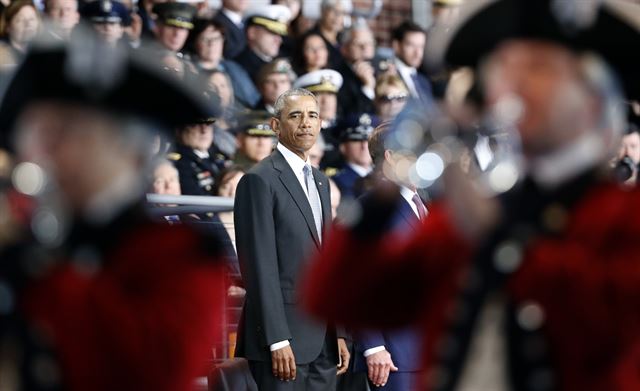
609, 28
89, 73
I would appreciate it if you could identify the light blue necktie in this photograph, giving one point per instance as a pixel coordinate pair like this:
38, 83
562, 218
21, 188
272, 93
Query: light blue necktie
314, 198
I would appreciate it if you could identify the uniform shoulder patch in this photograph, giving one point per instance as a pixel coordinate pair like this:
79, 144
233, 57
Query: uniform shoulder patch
174, 156
330, 171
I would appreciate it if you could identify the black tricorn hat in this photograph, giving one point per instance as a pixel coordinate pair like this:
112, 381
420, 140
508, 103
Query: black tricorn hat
89, 73
609, 28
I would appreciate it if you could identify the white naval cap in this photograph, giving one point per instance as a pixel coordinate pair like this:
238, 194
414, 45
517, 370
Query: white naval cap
323, 80
273, 17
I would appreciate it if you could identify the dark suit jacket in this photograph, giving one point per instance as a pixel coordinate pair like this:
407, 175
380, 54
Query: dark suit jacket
404, 345
351, 99
251, 63
234, 38
275, 237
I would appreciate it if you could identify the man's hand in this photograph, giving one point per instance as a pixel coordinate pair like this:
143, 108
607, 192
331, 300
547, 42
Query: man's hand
379, 365
365, 72
284, 364
345, 356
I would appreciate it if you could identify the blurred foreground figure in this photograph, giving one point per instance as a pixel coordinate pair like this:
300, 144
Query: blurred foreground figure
95, 296
538, 289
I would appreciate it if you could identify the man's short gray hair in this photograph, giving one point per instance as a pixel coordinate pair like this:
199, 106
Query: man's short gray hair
358, 25
281, 101
346, 4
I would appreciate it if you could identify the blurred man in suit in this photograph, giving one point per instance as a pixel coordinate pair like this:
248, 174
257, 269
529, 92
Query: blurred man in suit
358, 88
282, 215
230, 16
391, 359
408, 40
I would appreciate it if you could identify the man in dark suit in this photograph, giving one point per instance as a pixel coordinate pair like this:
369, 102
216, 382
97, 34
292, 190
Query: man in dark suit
282, 214
230, 16
358, 89
391, 359
408, 41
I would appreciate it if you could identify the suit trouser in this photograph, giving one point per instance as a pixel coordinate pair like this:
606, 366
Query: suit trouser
318, 375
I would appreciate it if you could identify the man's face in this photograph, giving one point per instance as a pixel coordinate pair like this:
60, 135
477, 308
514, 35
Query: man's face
166, 180
256, 148
328, 103
171, 37
109, 32
630, 147
299, 124
64, 13
273, 86
198, 136
209, 45
263, 41
80, 149
411, 49
332, 18
362, 46
536, 86
356, 152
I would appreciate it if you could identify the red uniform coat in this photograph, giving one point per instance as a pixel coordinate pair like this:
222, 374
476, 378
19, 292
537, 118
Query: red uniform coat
143, 317
585, 277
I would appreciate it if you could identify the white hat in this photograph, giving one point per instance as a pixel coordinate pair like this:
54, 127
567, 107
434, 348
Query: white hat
273, 17
323, 80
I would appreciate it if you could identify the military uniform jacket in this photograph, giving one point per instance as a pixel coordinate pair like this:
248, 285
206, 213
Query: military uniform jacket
197, 176
127, 305
275, 237
570, 256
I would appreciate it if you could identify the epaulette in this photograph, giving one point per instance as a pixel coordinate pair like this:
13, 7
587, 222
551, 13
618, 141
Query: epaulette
330, 171
174, 156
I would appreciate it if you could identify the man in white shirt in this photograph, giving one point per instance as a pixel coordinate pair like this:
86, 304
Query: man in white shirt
230, 16
282, 212
408, 40
391, 359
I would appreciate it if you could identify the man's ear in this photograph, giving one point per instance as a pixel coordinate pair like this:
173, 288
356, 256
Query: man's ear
395, 44
239, 139
388, 155
251, 33
275, 125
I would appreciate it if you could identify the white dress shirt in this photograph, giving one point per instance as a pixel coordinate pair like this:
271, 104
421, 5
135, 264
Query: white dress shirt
406, 73
235, 17
407, 194
360, 170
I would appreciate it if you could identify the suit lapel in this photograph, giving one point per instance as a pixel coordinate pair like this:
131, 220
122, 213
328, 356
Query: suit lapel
291, 183
408, 215
325, 199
